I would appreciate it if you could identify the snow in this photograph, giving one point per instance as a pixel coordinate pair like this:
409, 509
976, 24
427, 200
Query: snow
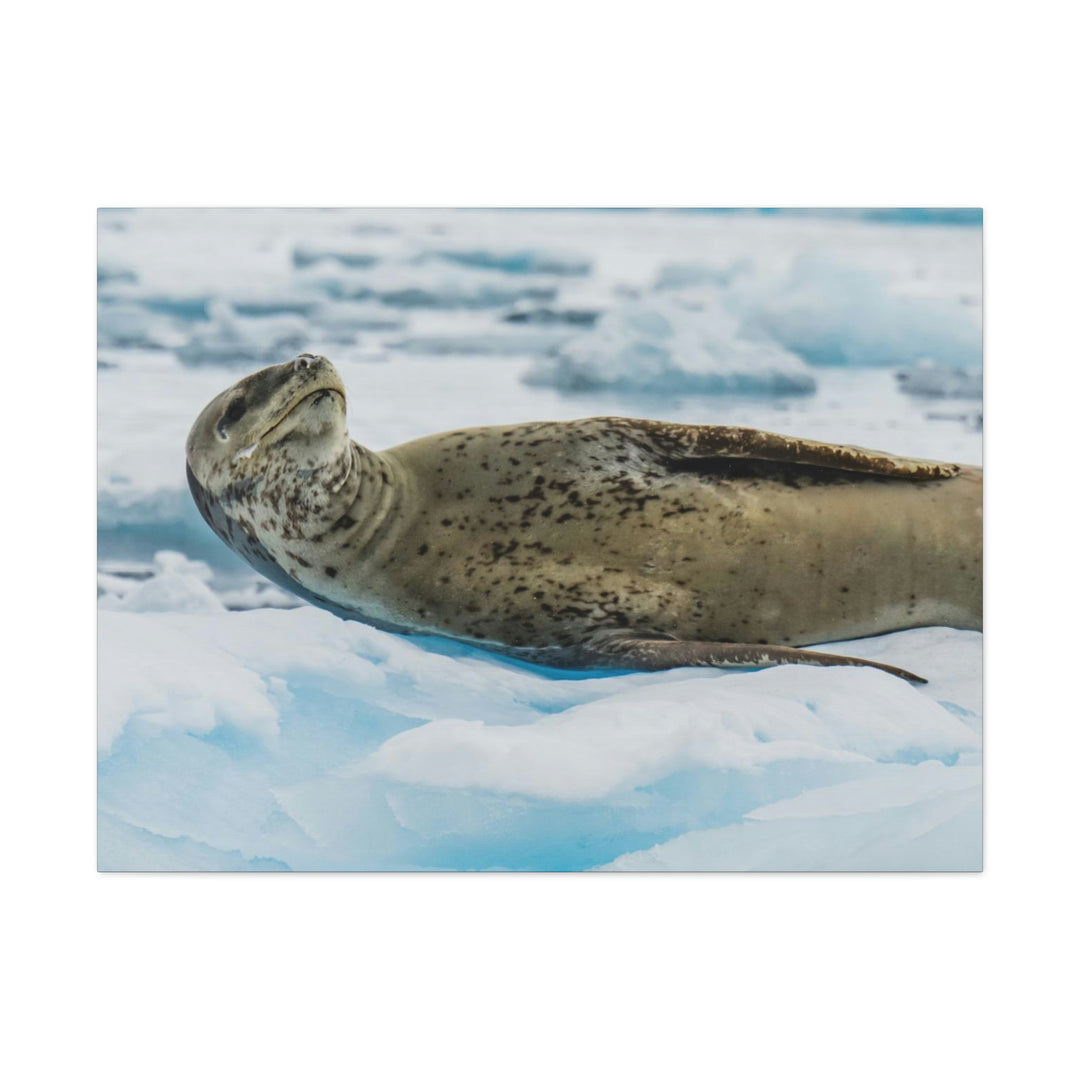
691, 275
228, 338
241, 729
512, 343
927, 378
415, 285
924, 818
522, 261
351, 748
125, 325
830, 312
611, 747
673, 346
177, 584
353, 258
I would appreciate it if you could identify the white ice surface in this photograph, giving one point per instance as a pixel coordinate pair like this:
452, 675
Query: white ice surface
926, 817
296, 737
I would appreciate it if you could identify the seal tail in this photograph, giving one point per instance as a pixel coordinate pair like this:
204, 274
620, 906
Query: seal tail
655, 654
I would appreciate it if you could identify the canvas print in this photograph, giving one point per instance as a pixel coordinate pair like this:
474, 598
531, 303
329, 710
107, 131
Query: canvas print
436, 539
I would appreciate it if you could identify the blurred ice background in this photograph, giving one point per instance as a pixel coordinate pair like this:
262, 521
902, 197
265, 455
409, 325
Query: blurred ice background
241, 729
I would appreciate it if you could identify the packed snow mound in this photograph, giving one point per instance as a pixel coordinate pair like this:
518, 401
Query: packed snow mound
229, 338
131, 326
830, 312
610, 747
275, 739
181, 305
256, 592
111, 272
672, 345
177, 584
924, 818
342, 322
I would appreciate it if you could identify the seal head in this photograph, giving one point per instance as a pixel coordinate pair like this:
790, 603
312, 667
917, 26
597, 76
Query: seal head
301, 403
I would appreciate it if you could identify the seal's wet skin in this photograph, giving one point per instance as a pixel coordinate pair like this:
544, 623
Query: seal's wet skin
608, 542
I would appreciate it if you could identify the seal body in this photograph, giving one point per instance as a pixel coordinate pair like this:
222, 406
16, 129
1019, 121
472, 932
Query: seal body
600, 542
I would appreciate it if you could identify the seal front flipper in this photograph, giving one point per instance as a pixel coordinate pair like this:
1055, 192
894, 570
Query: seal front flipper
695, 445
643, 652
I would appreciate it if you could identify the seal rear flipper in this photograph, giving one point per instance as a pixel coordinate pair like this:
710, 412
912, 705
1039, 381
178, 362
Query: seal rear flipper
694, 446
642, 652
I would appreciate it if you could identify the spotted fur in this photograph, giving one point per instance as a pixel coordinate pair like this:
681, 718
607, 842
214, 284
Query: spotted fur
600, 542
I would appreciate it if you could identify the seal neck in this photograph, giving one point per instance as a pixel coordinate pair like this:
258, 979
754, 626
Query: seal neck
352, 500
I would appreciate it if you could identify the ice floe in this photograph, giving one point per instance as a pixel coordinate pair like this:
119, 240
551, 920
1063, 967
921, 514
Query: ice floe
531, 315
508, 343
131, 326
924, 818
834, 312
521, 261
295, 737
173, 583
254, 342
409, 285
929, 379
672, 346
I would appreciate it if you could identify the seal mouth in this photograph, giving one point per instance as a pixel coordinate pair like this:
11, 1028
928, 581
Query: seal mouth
313, 396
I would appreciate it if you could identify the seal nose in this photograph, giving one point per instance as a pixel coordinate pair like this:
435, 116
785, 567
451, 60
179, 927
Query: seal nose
306, 360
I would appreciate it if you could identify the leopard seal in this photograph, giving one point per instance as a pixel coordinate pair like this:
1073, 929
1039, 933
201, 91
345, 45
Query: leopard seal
607, 542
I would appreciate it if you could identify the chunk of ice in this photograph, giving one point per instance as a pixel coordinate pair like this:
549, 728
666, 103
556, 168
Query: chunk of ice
930, 379
232, 339
521, 261
673, 345
834, 313
295, 737
906, 817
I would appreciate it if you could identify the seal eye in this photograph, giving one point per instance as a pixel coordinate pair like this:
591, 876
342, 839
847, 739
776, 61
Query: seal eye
236, 409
